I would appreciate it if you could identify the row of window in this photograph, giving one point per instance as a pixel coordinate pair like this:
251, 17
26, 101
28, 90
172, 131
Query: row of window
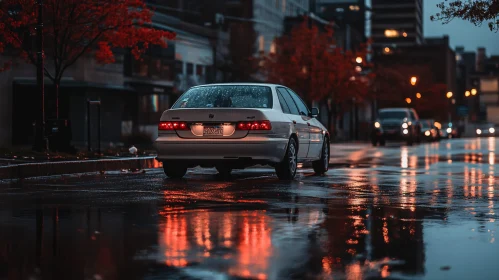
165, 69
291, 103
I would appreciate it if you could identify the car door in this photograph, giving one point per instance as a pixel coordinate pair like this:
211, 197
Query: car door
315, 132
300, 123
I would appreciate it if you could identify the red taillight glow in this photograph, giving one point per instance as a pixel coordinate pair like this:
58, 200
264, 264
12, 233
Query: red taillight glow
172, 126
256, 125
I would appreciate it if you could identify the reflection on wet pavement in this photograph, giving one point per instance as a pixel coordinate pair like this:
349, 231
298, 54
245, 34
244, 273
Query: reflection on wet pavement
427, 211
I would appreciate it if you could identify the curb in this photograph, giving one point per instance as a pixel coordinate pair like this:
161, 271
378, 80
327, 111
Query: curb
29, 170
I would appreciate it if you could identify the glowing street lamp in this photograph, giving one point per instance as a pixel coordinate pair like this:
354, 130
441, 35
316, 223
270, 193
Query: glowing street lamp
473, 91
414, 80
408, 100
418, 95
467, 93
358, 59
449, 94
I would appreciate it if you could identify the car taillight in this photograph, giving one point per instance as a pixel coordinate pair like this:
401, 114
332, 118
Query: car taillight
172, 126
256, 125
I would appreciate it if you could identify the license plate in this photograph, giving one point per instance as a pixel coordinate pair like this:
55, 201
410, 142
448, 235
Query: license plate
213, 131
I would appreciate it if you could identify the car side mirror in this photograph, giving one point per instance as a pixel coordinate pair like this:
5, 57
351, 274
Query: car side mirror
315, 112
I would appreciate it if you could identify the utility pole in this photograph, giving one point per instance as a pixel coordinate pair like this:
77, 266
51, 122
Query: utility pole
40, 141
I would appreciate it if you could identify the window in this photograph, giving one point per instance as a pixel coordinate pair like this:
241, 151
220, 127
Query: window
226, 97
413, 117
289, 101
199, 70
392, 115
299, 102
190, 69
284, 105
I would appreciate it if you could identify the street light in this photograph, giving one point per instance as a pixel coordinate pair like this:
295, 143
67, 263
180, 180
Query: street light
467, 93
473, 91
418, 95
414, 80
408, 100
358, 59
449, 94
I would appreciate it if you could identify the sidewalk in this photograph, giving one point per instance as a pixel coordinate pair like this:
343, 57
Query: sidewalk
20, 167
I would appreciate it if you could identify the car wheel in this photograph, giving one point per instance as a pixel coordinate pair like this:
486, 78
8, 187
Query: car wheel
321, 166
410, 141
286, 169
224, 171
382, 142
174, 171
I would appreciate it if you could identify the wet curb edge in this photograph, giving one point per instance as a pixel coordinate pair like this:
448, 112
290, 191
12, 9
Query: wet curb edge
29, 170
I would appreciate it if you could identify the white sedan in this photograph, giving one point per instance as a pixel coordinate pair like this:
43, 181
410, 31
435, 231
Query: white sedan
234, 126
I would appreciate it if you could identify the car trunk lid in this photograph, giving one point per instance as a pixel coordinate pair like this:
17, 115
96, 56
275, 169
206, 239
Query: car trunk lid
213, 123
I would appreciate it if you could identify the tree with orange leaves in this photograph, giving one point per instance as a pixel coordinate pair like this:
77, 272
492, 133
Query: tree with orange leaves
309, 61
392, 87
75, 27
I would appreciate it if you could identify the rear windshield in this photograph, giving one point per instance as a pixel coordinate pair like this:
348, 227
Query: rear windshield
392, 115
244, 96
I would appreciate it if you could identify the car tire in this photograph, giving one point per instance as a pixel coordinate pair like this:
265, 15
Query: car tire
410, 141
224, 171
382, 142
321, 166
286, 169
175, 171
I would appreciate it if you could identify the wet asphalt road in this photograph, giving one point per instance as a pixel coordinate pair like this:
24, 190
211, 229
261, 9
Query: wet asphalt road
428, 211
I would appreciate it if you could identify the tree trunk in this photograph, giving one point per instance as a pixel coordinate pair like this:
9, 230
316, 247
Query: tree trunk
57, 83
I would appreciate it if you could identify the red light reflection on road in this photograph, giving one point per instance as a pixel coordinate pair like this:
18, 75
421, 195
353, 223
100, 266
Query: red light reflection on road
192, 236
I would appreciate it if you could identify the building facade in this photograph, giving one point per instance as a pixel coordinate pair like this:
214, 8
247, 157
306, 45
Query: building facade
396, 24
133, 93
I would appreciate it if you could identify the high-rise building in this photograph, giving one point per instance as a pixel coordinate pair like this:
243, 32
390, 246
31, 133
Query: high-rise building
395, 24
350, 18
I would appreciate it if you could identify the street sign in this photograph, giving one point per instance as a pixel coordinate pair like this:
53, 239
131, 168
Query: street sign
462, 110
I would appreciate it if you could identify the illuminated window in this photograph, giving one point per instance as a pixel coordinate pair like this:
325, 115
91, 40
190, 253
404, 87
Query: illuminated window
354, 8
261, 43
391, 33
272, 47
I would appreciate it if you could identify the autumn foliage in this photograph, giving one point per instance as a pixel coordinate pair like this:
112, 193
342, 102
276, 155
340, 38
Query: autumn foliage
476, 12
391, 87
73, 28
309, 61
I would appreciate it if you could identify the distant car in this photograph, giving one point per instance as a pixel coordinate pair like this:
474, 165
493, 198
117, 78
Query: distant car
451, 130
396, 124
234, 126
428, 131
485, 129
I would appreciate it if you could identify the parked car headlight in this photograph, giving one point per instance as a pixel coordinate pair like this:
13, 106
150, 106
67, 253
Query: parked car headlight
377, 125
492, 130
427, 133
404, 125
449, 130
478, 131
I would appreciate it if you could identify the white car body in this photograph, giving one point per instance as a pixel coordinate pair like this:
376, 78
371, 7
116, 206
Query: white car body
217, 137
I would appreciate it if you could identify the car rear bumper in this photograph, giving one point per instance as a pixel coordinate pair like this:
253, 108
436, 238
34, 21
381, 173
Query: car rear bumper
251, 149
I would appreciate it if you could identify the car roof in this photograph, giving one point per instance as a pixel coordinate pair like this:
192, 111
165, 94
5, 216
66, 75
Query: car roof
240, 84
395, 109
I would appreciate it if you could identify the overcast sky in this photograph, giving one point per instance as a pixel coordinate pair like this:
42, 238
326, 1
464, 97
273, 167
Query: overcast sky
461, 33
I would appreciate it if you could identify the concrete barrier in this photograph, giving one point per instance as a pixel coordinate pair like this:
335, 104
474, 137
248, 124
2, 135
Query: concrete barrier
21, 171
